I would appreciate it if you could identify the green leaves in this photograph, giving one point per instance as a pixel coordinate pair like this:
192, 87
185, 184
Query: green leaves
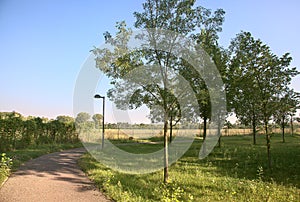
5, 162
259, 74
5, 166
17, 131
259, 79
82, 117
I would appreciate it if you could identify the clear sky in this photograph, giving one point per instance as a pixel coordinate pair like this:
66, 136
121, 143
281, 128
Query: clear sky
43, 43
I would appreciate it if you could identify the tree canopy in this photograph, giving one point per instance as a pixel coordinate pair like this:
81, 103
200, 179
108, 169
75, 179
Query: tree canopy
257, 77
160, 66
256, 81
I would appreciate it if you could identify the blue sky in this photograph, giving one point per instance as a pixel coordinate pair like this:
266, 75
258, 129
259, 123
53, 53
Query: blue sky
43, 43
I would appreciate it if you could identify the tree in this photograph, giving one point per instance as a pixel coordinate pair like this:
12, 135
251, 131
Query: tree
10, 129
97, 118
174, 114
134, 91
220, 57
65, 119
242, 90
286, 106
258, 77
17, 131
207, 38
179, 16
82, 117
82, 121
29, 132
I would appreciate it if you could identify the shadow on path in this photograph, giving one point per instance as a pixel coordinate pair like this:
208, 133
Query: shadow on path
51, 177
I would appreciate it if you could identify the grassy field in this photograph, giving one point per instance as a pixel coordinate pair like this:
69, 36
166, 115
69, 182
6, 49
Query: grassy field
235, 172
22, 155
146, 133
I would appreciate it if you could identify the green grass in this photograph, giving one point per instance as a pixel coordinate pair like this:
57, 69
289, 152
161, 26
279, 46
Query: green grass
22, 155
235, 172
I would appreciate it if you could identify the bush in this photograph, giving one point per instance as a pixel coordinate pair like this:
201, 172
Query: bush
5, 166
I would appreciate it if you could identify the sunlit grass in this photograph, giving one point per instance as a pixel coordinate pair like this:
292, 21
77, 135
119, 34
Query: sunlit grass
235, 172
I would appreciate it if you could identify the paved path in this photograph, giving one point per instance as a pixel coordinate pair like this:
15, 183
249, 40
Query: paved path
52, 177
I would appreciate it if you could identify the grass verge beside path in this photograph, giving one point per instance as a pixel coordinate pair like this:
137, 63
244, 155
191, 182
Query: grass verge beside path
235, 172
22, 155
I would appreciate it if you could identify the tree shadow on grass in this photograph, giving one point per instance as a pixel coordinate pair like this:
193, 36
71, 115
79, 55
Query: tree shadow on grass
239, 158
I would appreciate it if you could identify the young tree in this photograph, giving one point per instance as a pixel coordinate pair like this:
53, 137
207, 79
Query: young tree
242, 91
207, 38
178, 16
174, 114
258, 75
286, 106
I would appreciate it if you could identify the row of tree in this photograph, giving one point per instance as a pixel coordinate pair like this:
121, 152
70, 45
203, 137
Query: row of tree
256, 81
18, 132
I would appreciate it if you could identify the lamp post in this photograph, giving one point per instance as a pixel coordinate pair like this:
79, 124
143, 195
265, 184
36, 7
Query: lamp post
97, 96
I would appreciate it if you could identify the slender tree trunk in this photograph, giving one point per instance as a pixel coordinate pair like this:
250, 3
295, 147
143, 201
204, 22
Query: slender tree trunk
254, 129
204, 127
219, 133
14, 140
292, 126
171, 128
268, 138
282, 128
166, 151
204, 134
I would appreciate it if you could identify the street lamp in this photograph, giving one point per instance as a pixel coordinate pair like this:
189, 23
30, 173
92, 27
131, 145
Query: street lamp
97, 96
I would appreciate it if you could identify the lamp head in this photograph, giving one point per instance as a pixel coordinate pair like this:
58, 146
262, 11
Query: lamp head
98, 96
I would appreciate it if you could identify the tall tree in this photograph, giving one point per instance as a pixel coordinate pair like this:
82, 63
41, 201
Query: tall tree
259, 75
208, 40
243, 96
179, 16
